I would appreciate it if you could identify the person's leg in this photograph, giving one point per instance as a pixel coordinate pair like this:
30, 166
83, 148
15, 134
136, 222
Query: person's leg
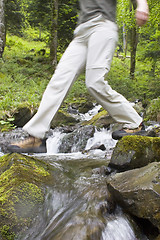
101, 48
69, 67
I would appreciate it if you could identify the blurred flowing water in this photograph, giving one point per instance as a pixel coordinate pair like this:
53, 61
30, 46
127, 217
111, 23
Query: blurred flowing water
78, 206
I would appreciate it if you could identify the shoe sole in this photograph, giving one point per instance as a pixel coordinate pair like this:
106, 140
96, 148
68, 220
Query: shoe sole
140, 133
15, 149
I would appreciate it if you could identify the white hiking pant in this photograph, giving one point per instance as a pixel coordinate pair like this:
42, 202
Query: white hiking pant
92, 49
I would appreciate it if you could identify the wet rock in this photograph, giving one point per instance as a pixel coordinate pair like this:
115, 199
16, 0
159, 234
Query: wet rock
156, 131
72, 109
77, 140
85, 107
63, 119
139, 107
22, 115
101, 119
138, 192
22, 192
134, 152
98, 146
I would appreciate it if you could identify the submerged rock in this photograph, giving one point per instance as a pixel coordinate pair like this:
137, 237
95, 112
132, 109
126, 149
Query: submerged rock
138, 192
22, 192
134, 152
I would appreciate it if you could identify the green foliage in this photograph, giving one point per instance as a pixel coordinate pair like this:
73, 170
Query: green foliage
67, 20
14, 16
24, 73
153, 110
7, 124
6, 233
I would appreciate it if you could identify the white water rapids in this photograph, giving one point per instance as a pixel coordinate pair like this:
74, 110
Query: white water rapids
117, 226
71, 205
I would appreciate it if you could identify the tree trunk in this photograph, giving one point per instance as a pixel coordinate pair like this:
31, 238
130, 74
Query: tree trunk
2, 27
124, 40
54, 23
134, 42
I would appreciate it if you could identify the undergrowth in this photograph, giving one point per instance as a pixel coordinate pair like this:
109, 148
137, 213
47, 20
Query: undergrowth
26, 70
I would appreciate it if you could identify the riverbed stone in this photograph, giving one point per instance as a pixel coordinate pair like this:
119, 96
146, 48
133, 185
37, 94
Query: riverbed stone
77, 140
138, 192
22, 192
134, 152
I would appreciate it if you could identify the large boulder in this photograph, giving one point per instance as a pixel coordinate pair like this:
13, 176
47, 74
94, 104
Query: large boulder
134, 152
22, 192
138, 192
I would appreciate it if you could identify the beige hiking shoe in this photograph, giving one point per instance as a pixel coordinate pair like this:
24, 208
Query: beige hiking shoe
29, 145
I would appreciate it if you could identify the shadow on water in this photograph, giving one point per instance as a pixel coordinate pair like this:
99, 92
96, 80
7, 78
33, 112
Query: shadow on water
78, 206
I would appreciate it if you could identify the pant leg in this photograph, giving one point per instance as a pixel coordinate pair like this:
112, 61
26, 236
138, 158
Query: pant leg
69, 67
101, 46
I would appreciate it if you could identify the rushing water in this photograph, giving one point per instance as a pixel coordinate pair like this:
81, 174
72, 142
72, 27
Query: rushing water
78, 205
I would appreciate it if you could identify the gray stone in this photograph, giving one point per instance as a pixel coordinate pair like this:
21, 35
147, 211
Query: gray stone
138, 192
134, 152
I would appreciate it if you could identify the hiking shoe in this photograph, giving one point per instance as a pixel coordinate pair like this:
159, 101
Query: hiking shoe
29, 145
126, 132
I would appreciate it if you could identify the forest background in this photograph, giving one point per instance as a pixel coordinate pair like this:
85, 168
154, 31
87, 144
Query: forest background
35, 33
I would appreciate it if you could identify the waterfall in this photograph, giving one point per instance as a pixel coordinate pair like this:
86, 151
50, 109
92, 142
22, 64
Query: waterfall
101, 137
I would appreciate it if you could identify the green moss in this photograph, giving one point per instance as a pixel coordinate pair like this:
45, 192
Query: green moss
139, 143
135, 143
21, 191
141, 149
62, 119
98, 116
6, 234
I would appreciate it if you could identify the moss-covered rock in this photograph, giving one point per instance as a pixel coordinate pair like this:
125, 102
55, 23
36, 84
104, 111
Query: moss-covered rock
138, 191
153, 110
63, 119
22, 115
135, 151
21, 192
101, 119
